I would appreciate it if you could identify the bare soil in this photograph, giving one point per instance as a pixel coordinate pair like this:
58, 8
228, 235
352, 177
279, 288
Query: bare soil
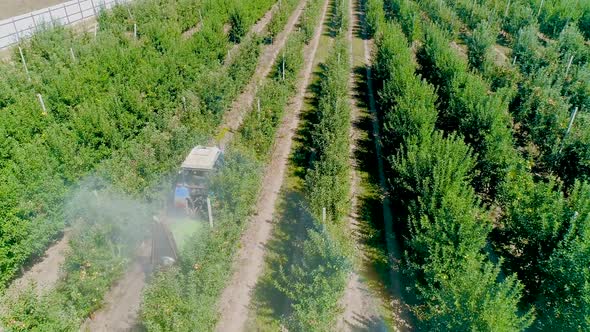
121, 310
10, 8
44, 274
235, 300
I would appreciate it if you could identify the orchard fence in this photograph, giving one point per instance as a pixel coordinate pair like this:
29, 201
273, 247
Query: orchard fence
13, 29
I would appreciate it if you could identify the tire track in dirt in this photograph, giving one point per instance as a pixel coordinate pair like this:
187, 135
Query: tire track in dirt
235, 300
361, 307
122, 302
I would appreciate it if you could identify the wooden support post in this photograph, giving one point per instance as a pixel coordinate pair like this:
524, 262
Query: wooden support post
572, 118
42, 103
209, 212
540, 7
323, 215
72, 54
507, 9
569, 127
183, 103
258, 106
283, 65
22, 57
514, 60
569, 64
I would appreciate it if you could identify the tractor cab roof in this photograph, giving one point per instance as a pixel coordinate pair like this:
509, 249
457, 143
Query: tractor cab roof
201, 158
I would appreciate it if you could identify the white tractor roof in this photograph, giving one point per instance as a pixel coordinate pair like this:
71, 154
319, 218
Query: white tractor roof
201, 158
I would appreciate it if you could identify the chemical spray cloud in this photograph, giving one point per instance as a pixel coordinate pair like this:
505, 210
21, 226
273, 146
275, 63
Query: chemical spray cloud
99, 212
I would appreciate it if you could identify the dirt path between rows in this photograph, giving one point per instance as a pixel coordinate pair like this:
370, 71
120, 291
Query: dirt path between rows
45, 273
401, 310
235, 300
122, 302
121, 310
360, 305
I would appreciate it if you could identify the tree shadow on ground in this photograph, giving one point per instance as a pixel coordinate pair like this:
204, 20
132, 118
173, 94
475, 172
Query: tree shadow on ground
370, 211
367, 324
283, 250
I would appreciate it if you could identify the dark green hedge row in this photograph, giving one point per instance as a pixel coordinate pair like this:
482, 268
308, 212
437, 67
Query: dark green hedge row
443, 223
541, 231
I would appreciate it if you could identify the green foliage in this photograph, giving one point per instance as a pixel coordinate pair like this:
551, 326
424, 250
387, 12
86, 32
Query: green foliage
31, 313
407, 102
556, 15
520, 15
536, 209
584, 22
480, 43
408, 14
546, 242
131, 129
105, 236
443, 15
443, 223
431, 173
469, 298
468, 105
238, 28
529, 52
338, 17
532, 225
280, 17
327, 182
565, 299
309, 18
315, 283
573, 161
374, 16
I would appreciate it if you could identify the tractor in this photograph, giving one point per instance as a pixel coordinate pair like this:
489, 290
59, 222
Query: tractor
192, 184
189, 198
